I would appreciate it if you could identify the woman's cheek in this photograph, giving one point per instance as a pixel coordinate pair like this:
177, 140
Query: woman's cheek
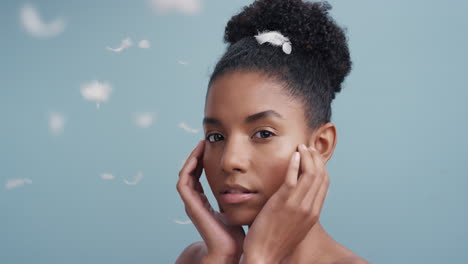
278, 166
208, 157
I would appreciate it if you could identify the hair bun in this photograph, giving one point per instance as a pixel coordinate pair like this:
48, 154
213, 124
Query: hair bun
307, 25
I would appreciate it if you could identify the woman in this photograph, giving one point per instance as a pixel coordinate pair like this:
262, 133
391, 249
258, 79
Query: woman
268, 137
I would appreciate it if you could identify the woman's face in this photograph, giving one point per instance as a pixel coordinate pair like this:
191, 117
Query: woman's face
252, 128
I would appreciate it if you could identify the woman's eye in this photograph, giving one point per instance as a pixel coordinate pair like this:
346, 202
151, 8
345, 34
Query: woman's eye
214, 137
264, 134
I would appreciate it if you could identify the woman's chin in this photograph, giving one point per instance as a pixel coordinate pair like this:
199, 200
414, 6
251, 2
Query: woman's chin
240, 217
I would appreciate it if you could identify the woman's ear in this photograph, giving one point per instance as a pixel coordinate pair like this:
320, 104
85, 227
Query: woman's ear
324, 140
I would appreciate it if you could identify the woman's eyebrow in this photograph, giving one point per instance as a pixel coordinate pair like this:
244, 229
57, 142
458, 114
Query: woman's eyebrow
264, 114
249, 119
210, 120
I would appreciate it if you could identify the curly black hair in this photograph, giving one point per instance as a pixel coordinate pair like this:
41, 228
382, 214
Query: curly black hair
317, 65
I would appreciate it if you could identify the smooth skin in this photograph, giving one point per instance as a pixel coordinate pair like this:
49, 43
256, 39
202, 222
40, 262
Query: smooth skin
253, 131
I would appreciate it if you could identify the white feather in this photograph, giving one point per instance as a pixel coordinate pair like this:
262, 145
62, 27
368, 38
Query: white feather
275, 38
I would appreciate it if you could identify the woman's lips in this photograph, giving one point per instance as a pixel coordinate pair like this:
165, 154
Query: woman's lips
233, 198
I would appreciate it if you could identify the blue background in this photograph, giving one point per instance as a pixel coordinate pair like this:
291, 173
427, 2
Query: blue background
398, 174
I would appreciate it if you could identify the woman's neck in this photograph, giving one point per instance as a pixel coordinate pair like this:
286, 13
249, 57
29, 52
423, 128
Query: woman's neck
312, 248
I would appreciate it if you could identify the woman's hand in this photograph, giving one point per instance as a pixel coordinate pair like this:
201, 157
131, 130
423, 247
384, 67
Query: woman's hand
291, 212
224, 242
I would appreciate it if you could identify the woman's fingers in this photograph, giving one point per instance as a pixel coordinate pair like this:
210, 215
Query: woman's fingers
306, 178
190, 165
193, 152
293, 170
312, 185
312, 197
319, 200
190, 189
199, 168
199, 187
197, 173
185, 180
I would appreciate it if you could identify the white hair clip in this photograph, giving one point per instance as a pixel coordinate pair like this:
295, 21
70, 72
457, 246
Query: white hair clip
275, 38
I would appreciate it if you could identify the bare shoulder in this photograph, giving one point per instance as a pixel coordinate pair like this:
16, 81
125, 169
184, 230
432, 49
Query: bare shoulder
354, 259
342, 255
193, 253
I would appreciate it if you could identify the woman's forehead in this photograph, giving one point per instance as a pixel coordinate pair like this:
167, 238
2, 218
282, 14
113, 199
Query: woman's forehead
247, 89
242, 94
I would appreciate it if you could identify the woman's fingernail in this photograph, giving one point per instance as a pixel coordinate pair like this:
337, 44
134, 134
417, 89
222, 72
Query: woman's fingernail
312, 148
296, 156
303, 147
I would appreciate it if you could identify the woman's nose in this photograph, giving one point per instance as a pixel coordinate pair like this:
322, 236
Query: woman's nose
235, 157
